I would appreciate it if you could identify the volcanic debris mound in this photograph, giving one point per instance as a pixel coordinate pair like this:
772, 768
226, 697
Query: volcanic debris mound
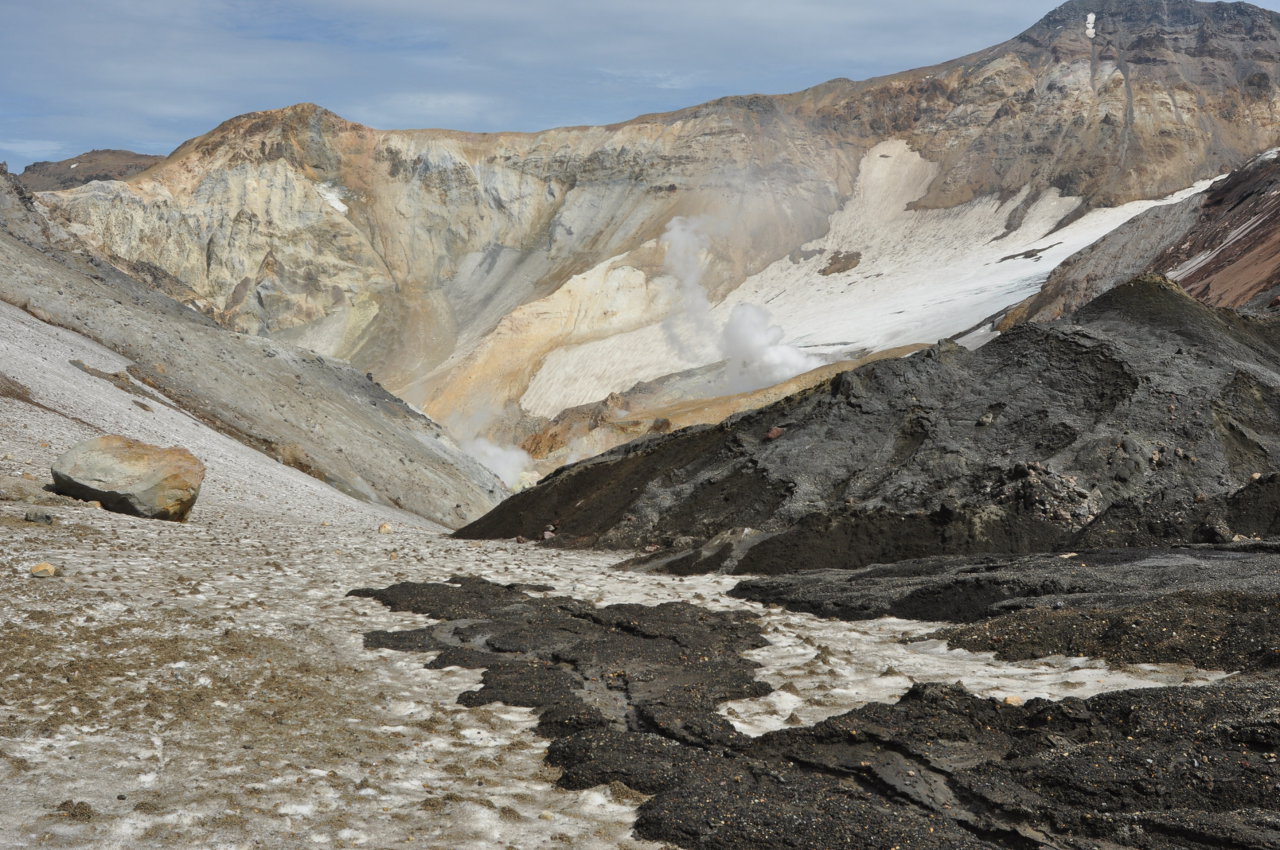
1147, 417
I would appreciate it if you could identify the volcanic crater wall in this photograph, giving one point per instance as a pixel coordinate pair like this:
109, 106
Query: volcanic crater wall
414, 254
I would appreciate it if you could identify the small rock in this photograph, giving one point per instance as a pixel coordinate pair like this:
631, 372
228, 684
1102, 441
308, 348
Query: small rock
77, 810
1013, 700
775, 432
44, 570
39, 516
385, 528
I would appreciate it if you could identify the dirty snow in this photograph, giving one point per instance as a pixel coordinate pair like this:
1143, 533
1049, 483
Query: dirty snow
204, 684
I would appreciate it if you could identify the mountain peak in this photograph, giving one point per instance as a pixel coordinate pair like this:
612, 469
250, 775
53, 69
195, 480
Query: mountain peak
1112, 20
302, 134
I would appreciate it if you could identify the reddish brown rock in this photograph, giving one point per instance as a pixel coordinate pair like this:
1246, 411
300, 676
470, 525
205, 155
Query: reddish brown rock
131, 477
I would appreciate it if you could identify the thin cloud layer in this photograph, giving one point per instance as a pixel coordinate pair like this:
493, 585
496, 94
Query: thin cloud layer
148, 74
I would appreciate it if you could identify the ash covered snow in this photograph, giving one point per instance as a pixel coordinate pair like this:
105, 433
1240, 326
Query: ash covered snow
204, 684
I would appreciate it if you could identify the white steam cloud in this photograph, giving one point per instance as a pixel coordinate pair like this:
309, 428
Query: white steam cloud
749, 343
691, 329
756, 354
509, 463
512, 464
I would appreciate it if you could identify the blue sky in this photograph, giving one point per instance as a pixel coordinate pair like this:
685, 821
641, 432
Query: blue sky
147, 74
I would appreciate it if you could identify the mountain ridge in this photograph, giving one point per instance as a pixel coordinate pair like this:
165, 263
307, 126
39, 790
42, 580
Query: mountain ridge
486, 277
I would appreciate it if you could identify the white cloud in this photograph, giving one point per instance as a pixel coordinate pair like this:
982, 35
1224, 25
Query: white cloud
32, 149
415, 110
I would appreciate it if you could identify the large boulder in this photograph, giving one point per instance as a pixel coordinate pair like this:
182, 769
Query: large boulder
131, 477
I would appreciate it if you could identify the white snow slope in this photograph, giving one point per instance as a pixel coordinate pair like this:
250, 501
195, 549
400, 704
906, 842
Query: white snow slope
924, 275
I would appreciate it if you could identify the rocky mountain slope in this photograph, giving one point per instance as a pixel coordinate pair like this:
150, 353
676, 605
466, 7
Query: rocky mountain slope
1219, 245
302, 409
85, 168
1148, 416
499, 279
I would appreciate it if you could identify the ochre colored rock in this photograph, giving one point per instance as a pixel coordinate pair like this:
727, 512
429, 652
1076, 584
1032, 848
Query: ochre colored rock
131, 477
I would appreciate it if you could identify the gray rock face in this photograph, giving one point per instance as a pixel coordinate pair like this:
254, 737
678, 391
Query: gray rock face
310, 412
131, 477
1149, 418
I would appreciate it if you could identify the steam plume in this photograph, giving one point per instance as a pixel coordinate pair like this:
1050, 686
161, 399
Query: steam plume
750, 344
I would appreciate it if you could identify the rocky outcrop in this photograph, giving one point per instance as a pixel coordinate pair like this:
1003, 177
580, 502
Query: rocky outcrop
131, 477
487, 277
1229, 257
1148, 417
85, 168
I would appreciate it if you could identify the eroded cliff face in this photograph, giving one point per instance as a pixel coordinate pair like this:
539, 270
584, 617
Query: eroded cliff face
304, 410
490, 277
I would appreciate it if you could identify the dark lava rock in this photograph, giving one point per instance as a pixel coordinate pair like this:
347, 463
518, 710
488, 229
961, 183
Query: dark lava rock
1145, 419
1216, 608
1168, 767
628, 693
655, 669
1217, 631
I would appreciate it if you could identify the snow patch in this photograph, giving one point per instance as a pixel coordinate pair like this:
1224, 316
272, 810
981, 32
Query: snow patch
333, 195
